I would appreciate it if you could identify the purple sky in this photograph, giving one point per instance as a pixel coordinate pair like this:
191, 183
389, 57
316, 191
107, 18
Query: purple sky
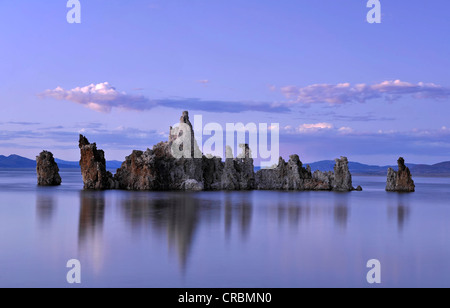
336, 84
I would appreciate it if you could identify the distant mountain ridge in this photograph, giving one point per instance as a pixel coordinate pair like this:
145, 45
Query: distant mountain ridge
440, 169
17, 162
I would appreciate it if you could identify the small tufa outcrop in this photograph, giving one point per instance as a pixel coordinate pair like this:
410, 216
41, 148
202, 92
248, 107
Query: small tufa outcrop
340, 179
47, 170
401, 180
289, 175
342, 176
93, 167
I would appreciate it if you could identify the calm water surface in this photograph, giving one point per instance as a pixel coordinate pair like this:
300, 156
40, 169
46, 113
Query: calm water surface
219, 239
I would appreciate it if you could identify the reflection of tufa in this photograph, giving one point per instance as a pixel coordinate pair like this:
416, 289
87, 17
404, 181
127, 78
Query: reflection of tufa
178, 164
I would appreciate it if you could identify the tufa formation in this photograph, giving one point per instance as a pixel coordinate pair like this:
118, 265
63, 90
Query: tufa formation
93, 167
289, 176
401, 180
178, 164
158, 169
47, 170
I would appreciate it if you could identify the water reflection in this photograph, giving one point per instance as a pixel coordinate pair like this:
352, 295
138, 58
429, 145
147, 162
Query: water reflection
90, 226
92, 215
341, 210
280, 239
292, 213
45, 208
293, 208
180, 217
177, 215
400, 213
238, 208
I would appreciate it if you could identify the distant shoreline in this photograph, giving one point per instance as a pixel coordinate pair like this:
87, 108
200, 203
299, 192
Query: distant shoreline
441, 170
113, 170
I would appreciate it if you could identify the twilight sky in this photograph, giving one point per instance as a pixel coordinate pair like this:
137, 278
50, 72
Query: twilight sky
336, 84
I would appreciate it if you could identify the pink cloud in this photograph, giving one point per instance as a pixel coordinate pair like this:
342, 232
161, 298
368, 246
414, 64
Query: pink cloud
336, 94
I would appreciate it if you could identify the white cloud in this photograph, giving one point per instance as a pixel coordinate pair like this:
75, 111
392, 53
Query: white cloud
274, 127
314, 127
100, 97
345, 92
345, 130
103, 97
308, 128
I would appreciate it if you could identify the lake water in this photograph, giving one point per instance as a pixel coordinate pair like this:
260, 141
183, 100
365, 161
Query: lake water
222, 239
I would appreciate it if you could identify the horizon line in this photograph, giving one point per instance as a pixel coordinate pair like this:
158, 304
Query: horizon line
305, 164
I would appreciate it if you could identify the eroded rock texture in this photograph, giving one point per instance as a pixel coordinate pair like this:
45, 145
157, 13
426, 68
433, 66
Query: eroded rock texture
182, 141
401, 180
340, 179
238, 173
47, 170
93, 167
178, 164
213, 168
342, 176
326, 178
289, 175
173, 165
293, 176
157, 169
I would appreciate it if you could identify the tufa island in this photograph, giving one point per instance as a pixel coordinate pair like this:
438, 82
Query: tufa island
401, 180
47, 170
158, 170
